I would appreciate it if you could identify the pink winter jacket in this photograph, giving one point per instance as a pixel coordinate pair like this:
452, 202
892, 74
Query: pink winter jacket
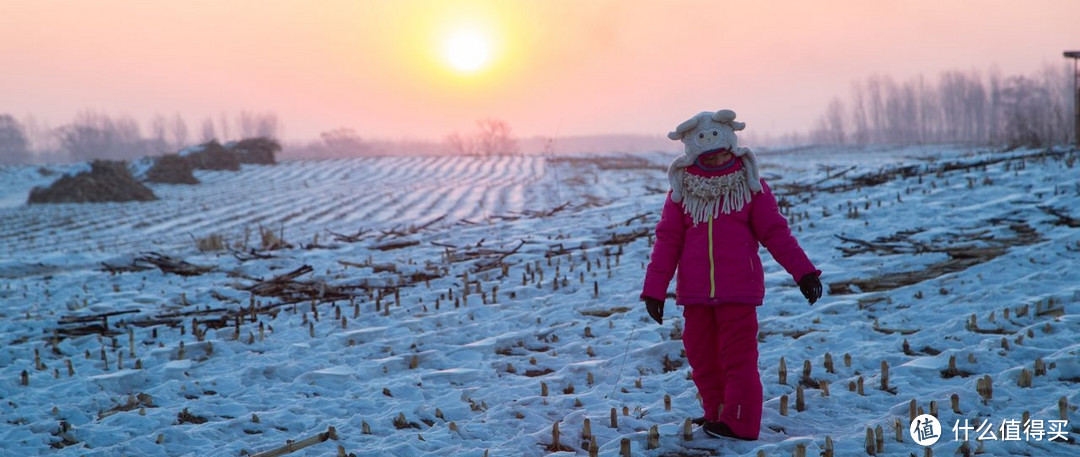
717, 261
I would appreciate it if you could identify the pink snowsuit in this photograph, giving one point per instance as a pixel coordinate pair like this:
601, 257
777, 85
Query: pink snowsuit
720, 284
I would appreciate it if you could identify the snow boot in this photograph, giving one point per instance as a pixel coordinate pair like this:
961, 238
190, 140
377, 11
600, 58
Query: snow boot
721, 430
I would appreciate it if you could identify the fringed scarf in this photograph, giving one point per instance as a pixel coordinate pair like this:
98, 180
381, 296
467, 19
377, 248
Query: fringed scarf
709, 197
712, 196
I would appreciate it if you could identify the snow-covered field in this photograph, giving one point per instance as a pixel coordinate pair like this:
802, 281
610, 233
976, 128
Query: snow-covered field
302, 197
475, 303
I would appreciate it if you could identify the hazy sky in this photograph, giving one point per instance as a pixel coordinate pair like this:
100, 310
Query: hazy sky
553, 68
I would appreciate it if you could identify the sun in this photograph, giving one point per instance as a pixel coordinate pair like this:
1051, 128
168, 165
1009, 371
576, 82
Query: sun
467, 51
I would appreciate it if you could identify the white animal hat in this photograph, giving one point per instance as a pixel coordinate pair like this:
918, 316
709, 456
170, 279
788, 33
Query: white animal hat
709, 131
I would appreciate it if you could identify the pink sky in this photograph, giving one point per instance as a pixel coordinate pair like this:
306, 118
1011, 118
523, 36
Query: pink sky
558, 68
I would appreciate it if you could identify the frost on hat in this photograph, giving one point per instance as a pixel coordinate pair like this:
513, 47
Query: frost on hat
708, 131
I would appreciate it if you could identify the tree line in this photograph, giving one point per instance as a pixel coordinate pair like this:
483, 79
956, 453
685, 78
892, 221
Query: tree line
492, 137
93, 134
96, 135
959, 107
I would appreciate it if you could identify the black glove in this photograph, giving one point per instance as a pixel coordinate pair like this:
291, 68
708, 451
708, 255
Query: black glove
656, 309
810, 286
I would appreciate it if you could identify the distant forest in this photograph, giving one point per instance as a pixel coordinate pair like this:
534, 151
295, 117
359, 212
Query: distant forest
97, 135
959, 107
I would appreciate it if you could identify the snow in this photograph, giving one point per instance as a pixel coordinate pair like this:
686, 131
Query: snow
468, 378
191, 150
19, 180
140, 167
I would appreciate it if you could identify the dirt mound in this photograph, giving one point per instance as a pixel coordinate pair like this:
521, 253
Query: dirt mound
171, 169
259, 150
211, 156
107, 181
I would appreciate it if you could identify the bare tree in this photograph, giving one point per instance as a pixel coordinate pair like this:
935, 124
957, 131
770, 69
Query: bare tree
36, 133
246, 121
223, 127
42, 141
179, 131
129, 142
876, 107
1021, 100
90, 135
951, 94
929, 115
14, 148
899, 112
459, 145
208, 130
344, 142
859, 121
96, 135
960, 107
1056, 116
268, 126
158, 132
495, 138
830, 128
993, 116
963, 107
975, 110
252, 124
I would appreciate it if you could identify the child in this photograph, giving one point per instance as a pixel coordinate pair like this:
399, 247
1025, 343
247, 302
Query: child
717, 212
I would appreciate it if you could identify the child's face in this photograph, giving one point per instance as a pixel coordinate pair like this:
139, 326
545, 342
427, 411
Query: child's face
715, 159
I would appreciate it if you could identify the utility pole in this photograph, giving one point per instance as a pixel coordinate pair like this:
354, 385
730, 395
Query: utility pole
1075, 56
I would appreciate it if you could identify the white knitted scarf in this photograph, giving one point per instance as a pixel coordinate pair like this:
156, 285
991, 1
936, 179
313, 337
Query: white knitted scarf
709, 197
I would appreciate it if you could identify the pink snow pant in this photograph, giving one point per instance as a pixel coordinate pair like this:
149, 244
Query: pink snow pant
721, 346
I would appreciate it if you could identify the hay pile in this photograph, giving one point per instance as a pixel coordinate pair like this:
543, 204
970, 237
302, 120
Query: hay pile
171, 169
259, 150
211, 156
107, 181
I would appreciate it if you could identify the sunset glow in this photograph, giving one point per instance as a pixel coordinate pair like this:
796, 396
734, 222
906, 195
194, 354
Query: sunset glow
467, 51
548, 68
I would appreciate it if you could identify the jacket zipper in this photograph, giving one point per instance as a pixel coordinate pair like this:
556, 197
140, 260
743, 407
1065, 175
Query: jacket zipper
712, 262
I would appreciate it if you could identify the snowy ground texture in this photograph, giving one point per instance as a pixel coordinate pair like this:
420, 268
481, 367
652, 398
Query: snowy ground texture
463, 308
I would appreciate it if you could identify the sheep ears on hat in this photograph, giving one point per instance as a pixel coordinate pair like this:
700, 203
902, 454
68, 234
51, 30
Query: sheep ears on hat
726, 116
681, 130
